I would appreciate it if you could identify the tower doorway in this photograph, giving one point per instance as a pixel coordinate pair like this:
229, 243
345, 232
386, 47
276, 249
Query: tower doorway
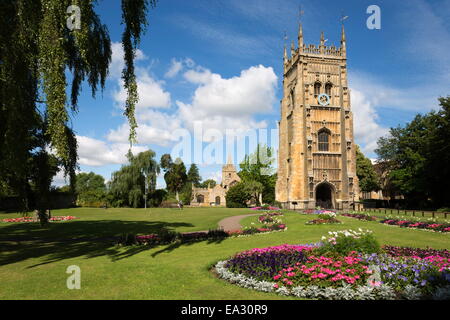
324, 196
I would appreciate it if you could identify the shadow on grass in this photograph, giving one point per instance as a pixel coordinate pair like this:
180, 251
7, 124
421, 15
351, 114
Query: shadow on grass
87, 239
59, 241
178, 244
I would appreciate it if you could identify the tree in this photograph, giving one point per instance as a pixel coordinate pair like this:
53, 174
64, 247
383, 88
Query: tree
368, 179
258, 167
193, 176
208, 183
90, 188
128, 185
254, 189
175, 174
37, 50
238, 196
416, 158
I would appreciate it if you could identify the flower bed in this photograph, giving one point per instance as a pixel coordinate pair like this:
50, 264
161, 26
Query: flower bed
166, 237
265, 263
269, 218
323, 221
438, 227
327, 217
256, 230
364, 217
265, 208
305, 271
318, 211
415, 252
31, 219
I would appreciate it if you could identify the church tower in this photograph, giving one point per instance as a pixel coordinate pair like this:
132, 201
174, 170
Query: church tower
316, 156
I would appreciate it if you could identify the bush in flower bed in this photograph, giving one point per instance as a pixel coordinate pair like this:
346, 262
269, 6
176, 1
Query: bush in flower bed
346, 241
433, 226
359, 216
32, 219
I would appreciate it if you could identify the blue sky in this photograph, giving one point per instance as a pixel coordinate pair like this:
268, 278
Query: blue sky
219, 64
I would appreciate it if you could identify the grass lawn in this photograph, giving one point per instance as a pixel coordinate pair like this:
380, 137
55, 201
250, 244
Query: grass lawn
33, 261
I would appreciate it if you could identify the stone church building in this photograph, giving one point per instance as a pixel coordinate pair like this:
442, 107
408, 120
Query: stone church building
206, 197
316, 157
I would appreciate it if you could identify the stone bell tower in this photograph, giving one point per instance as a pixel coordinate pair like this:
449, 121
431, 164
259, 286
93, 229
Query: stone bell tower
316, 157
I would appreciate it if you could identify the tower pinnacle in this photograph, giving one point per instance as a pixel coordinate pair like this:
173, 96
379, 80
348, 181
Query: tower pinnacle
343, 42
300, 37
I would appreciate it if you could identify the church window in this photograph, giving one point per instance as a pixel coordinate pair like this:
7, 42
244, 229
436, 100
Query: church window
317, 86
328, 87
324, 140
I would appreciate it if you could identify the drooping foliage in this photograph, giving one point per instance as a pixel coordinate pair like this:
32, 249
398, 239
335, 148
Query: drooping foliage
129, 184
38, 51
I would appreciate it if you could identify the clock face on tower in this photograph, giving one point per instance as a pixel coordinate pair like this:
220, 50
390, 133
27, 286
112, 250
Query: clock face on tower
323, 99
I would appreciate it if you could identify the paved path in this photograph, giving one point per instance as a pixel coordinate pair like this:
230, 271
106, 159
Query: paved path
232, 223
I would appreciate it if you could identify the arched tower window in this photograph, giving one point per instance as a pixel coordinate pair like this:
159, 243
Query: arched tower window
317, 86
328, 87
324, 139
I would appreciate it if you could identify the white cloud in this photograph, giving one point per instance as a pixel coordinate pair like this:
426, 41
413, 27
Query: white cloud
153, 128
217, 103
251, 92
151, 93
366, 128
175, 68
59, 180
93, 152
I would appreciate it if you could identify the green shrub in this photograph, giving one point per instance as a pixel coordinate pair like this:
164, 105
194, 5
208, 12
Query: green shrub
344, 242
237, 196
